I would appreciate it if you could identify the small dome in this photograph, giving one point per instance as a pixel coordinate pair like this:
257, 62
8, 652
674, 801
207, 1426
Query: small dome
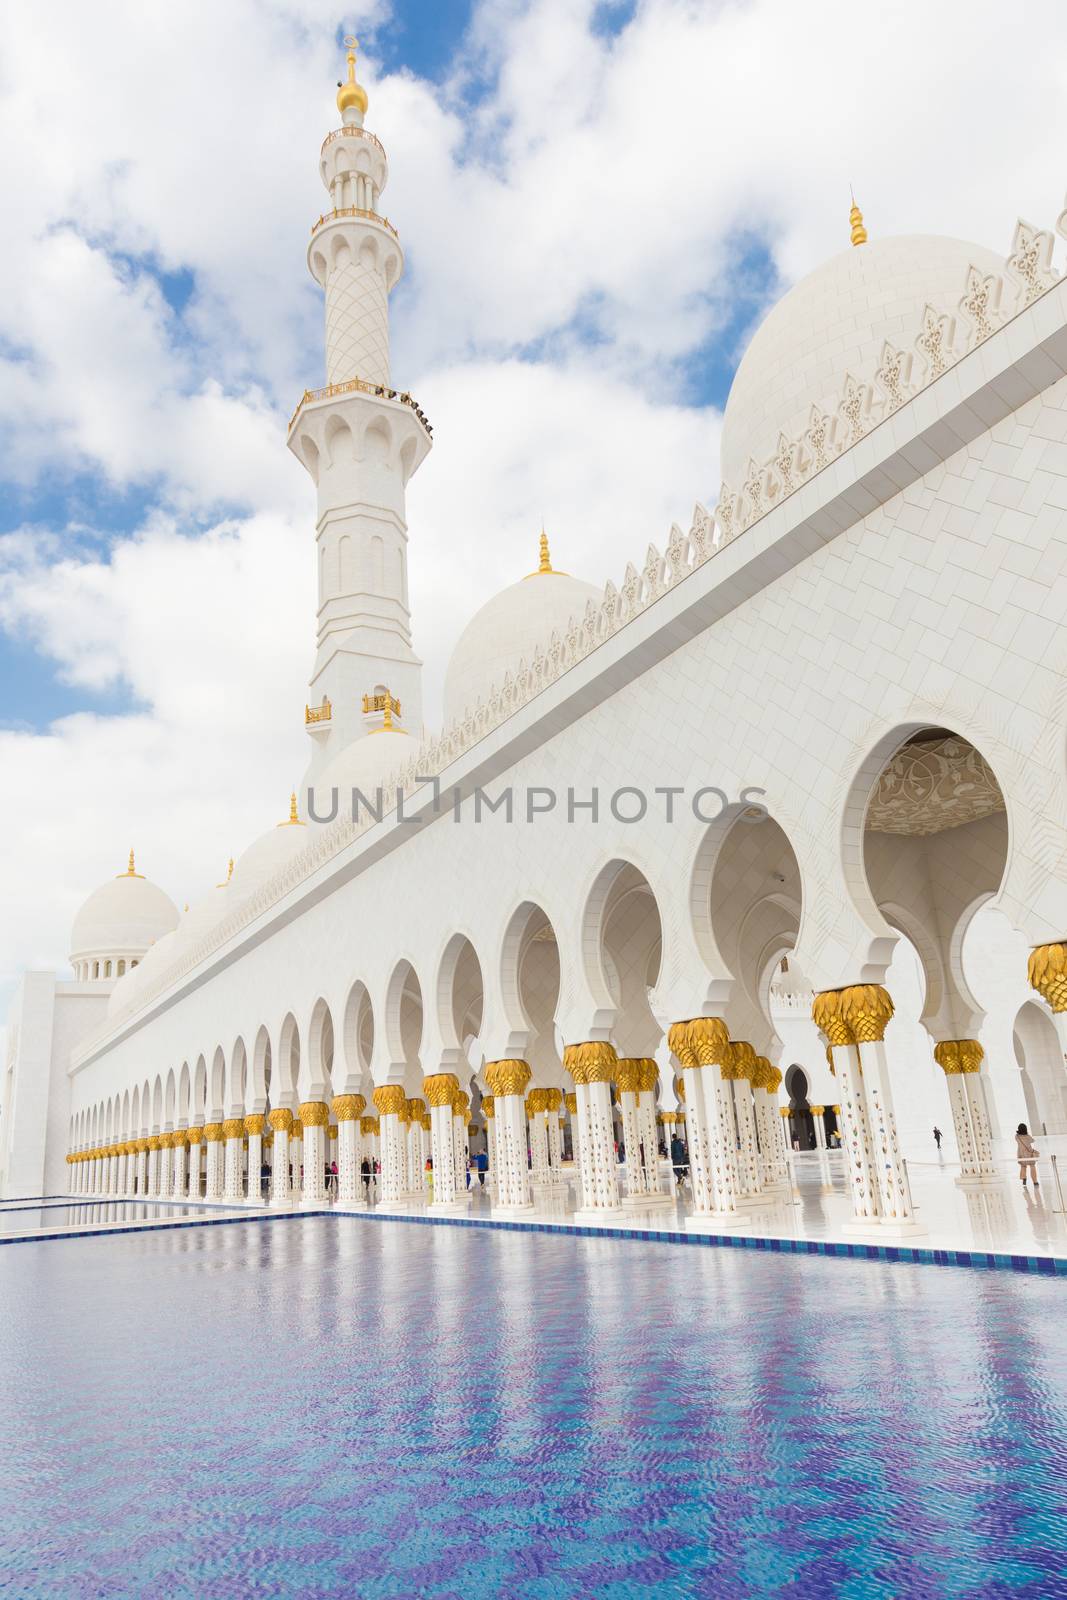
122, 918
508, 630
366, 764
832, 323
269, 853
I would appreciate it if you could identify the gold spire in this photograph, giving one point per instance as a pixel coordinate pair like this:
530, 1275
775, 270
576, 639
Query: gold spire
229, 875
293, 819
131, 870
545, 564
855, 217
351, 93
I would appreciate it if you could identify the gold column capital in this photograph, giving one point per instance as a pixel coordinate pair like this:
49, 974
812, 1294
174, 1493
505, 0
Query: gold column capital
508, 1076
867, 1008
701, 1042
570, 1100
488, 1107
1047, 971
817, 1111
593, 1061
368, 1124
743, 1062
213, 1132
254, 1123
635, 1073
389, 1099
348, 1107
233, 1128
439, 1088
956, 1056
553, 1099
194, 1135
828, 1017
314, 1114
536, 1101
281, 1119
416, 1109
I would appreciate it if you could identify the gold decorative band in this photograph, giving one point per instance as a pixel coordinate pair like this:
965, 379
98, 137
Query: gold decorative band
213, 1132
254, 1123
488, 1107
233, 1128
858, 1014
314, 1114
632, 1074
570, 1100
439, 1087
368, 1124
348, 1107
701, 1042
536, 1101
281, 1119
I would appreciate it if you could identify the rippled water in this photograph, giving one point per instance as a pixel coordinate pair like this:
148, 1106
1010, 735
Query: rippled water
346, 1407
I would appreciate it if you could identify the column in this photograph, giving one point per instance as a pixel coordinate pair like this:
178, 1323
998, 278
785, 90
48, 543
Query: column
961, 1062
113, 1170
196, 1139
296, 1160
213, 1137
749, 1171
818, 1114
348, 1108
702, 1046
233, 1131
440, 1088
635, 1077
254, 1124
507, 1080
461, 1141
489, 1113
142, 1168
554, 1099
181, 1144
769, 1124
844, 1061
537, 1125
281, 1191
314, 1119
868, 1008
417, 1149
592, 1066
570, 1100
153, 1166
390, 1100
369, 1132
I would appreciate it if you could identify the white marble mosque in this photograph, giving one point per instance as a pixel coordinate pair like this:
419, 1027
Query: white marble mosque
758, 848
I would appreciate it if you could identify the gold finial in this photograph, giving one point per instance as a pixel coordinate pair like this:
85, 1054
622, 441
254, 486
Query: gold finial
855, 217
351, 95
131, 870
545, 563
293, 819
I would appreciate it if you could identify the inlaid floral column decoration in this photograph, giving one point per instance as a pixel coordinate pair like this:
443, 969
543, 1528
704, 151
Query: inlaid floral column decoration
537, 1123
254, 1125
315, 1119
635, 1079
592, 1066
153, 1165
702, 1046
233, 1131
461, 1141
554, 1107
439, 1089
281, 1121
390, 1101
570, 1100
489, 1113
769, 1123
195, 1137
961, 1062
417, 1148
507, 1080
844, 1062
348, 1109
744, 1069
213, 1137
867, 1009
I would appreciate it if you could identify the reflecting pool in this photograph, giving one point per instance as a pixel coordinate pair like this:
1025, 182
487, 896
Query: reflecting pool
347, 1407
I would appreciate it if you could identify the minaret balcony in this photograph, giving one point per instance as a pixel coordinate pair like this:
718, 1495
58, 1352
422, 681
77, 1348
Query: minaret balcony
317, 719
352, 133
354, 211
359, 386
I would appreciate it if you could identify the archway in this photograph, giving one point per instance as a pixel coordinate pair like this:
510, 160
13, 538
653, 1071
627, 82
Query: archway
1041, 1067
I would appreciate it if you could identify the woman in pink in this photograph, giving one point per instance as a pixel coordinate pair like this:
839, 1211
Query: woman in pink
1027, 1153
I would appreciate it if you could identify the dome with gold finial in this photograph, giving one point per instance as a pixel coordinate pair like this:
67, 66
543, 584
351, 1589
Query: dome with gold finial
118, 922
509, 628
834, 324
351, 96
271, 852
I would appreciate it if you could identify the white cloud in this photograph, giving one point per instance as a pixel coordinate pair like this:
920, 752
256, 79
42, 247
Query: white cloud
601, 185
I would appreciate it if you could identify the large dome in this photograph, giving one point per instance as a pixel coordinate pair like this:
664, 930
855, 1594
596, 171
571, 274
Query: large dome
269, 853
122, 918
833, 322
365, 764
507, 630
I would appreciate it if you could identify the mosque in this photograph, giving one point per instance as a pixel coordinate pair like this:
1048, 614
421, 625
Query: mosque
761, 844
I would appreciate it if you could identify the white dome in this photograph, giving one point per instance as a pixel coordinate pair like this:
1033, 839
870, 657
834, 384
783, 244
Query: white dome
203, 916
365, 764
832, 323
267, 855
507, 630
121, 918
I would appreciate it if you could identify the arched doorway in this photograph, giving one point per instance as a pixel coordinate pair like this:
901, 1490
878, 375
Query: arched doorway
1041, 1067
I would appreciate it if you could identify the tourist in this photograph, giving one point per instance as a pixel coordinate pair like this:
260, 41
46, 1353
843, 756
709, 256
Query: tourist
483, 1166
938, 1137
468, 1171
1027, 1153
679, 1160
264, 1178
364, 1168
333, 1176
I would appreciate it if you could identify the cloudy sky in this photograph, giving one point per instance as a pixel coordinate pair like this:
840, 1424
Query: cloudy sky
597, 201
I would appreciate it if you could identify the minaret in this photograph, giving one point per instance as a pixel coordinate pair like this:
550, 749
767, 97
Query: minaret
360, 440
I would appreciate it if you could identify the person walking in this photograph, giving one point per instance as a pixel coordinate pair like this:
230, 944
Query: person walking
364, 1169
1027, 1153
483, 1166
938, 1136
